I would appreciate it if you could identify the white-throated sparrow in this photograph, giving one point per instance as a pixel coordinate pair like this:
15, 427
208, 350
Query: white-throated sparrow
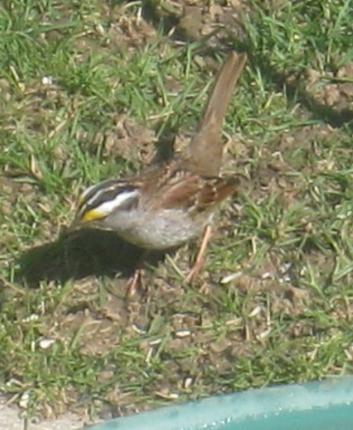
171, 203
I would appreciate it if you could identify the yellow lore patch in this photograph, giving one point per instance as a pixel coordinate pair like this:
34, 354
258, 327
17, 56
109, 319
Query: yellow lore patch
92, 215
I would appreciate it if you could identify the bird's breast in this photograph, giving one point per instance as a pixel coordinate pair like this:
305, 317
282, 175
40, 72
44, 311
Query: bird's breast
160, 230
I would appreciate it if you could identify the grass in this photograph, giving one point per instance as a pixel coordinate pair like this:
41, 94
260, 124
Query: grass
86, 88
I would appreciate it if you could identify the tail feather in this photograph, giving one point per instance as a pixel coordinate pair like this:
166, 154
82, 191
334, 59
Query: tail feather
206, 148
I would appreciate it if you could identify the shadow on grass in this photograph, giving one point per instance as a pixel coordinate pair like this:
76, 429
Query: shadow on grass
77, 255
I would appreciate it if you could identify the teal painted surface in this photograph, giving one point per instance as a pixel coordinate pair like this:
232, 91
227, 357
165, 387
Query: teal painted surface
326, 405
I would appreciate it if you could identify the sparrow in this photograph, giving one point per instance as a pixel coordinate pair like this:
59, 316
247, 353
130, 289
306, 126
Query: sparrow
172, 202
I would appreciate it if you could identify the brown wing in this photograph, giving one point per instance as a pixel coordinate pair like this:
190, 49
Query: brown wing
191, 192
214, 191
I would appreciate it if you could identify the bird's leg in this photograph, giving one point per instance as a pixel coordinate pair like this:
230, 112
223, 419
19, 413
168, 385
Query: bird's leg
200, 255
135, 281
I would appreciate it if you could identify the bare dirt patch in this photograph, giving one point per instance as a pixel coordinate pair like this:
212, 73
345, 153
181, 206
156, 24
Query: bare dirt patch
10, 419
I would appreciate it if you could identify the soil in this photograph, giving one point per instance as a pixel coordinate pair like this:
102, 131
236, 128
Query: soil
10, 419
